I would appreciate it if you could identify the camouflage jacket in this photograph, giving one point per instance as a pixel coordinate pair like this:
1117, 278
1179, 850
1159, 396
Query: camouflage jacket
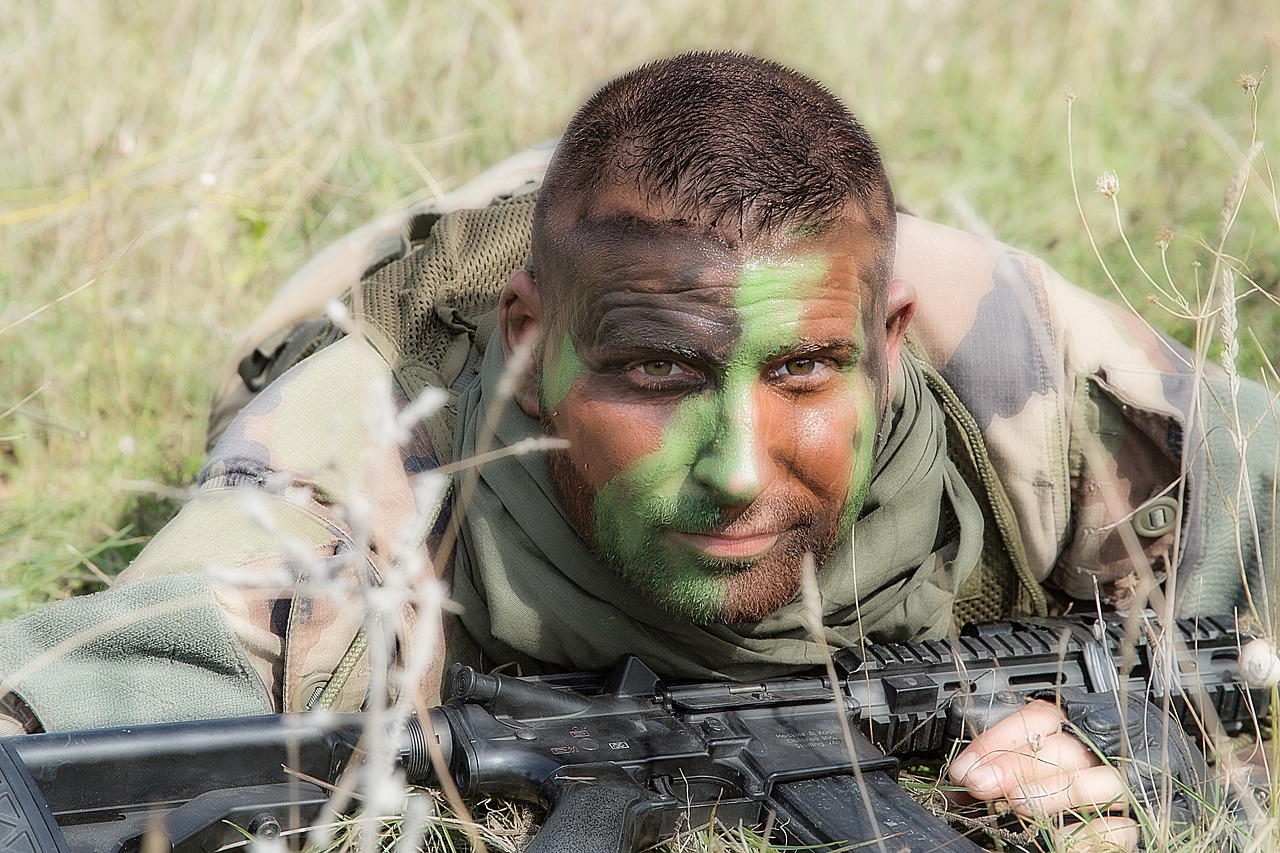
1107, 450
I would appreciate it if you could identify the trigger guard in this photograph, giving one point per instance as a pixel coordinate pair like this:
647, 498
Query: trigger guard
1135, 744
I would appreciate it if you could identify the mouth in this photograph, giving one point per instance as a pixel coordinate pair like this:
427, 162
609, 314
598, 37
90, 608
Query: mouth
720, 546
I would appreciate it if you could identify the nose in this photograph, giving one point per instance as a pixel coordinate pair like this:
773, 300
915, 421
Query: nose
735, 466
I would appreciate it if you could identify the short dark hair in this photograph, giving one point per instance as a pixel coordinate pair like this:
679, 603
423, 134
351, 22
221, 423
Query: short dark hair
729, 141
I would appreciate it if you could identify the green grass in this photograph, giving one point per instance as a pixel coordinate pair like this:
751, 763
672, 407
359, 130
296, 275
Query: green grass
168, 164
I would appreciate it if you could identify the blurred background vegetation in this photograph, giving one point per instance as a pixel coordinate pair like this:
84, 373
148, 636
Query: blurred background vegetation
167, 164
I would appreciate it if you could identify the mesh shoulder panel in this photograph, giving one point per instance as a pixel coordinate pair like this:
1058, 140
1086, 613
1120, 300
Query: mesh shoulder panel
421, 311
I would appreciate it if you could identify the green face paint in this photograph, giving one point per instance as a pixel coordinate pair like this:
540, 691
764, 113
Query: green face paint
725, 449
561, 368
635, 509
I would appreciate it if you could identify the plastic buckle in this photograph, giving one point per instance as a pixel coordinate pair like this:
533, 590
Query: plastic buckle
309, 691
1156, 517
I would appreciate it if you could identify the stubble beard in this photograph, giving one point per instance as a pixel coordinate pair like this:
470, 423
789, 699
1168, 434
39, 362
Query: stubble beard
733, 593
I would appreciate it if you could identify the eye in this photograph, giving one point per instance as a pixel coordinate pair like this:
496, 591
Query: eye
661, 368
802, 373
662, 375
799, 367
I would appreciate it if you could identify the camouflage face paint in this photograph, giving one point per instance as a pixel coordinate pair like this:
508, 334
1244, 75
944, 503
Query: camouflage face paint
561, 368
718, 408
670, 523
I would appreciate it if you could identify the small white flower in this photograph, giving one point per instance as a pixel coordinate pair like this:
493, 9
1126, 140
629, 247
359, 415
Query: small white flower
358, 512
384, 794
1108, 184
278, 482
299, 496
428, 401
1259, 665
208, 179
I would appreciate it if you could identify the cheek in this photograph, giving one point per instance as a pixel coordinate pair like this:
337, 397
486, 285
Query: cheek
605, 439
831, 444
560, 369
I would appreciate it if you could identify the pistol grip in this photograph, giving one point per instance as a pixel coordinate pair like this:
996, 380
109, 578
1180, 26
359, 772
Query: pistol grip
589, 817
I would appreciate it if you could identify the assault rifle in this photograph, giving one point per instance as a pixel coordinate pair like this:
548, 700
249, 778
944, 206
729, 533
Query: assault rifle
622, 760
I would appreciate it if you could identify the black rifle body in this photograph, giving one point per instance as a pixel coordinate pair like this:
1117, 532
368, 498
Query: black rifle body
621, 760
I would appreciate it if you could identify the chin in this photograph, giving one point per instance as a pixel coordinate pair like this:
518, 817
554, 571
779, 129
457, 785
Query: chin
748, 596
729, 596
726, 613
751, 600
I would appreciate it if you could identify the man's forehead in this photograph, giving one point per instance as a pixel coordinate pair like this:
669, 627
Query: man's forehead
623, 211
626, 253
661, 253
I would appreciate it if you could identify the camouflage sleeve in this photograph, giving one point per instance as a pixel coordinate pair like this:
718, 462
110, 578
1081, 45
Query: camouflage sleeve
1116, 451
310, 503
1230, 559
151, 651
1170, 467
310, 506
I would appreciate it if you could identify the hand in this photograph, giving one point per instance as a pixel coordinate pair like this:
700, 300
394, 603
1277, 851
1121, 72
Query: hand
1030, 764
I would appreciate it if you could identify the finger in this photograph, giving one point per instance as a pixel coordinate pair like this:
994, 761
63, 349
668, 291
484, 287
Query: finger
1001, 774
1093, 789
1038, 758
1102, 834
1037, 719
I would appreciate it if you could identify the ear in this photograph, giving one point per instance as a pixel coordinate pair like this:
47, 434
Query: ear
900, 307
520, 324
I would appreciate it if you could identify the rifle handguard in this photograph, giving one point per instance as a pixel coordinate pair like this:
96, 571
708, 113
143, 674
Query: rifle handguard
1164, 771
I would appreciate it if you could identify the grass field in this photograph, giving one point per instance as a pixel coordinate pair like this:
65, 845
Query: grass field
168, 164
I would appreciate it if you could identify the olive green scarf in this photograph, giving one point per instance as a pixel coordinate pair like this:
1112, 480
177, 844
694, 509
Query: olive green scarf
533, 593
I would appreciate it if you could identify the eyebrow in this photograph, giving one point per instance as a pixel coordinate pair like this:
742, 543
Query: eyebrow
844, 347
694, 335
637, 344
641, 341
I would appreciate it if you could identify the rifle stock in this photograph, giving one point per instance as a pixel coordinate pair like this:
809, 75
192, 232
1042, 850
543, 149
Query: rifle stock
205, 784
622, 760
